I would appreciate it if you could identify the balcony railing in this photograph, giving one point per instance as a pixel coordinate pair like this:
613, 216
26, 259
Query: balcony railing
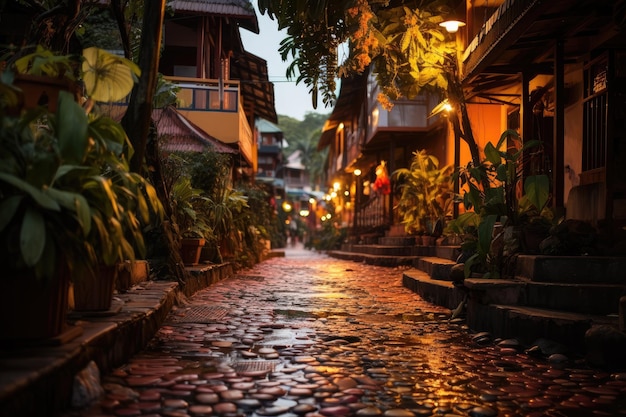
207, 94
215, 107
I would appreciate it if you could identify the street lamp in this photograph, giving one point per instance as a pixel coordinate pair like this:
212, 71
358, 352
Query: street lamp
452, 26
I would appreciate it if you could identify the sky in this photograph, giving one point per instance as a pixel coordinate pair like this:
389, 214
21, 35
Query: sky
290, 99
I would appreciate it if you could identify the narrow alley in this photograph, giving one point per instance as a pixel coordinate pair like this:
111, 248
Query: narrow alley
309, 335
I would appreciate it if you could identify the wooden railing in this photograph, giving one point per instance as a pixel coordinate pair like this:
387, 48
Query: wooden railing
372, 215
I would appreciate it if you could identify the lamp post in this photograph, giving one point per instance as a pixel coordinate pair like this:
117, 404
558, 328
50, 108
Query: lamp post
357, 188
455, 96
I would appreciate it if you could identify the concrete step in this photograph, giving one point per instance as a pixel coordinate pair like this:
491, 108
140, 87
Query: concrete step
496, 306
600, 299
437, 268
380, 250
397, 240
450, 253
379, 260
435, 291
572, 269
528, 324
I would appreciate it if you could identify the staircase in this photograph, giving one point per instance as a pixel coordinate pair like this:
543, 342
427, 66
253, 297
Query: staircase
555, 298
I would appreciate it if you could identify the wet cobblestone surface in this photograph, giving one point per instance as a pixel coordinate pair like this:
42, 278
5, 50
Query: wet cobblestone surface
308, 335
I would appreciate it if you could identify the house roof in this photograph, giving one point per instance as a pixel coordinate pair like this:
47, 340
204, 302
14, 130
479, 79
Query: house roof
241, 10
257, 90
294, 161
176, 133
521, 36
265, 126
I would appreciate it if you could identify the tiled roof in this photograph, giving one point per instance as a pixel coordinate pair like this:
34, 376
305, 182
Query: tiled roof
239, 9
176, 133
257, 90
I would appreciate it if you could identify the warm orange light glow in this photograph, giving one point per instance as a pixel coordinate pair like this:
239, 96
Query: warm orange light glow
452, 26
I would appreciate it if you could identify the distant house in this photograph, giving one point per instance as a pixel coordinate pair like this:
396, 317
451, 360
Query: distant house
224, 89
270, 145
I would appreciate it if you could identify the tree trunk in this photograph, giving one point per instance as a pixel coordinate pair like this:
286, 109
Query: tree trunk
462, 127
138, 117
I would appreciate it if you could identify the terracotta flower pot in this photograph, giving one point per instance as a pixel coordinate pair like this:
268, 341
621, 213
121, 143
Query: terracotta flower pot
190, 250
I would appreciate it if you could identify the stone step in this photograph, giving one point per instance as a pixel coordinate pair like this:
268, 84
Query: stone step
450, 253
495, 309
527, 324
441, 293
397, 241
572, 269
379, 260
601, 299
437, 268
381, 250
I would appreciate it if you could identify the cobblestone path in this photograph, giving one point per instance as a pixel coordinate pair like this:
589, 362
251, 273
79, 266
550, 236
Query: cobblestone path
307, 335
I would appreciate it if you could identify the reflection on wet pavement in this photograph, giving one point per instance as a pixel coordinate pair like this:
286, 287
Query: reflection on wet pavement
307, 335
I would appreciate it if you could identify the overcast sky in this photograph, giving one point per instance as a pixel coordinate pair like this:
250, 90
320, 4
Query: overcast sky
290, 99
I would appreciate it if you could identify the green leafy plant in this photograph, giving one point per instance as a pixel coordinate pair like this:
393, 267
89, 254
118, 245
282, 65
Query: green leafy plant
43, 62
66, 179
189, 208
66, 190
498, 201
425, 194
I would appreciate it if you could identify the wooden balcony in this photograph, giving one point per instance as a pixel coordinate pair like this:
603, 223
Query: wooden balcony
217, 109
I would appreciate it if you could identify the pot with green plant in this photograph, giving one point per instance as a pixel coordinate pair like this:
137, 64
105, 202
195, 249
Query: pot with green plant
41, 74
225, 211
425, 195
45, 218
78, 158
127, 204
188, 206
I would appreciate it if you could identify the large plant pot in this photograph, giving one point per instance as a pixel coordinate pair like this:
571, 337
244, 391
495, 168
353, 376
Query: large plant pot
33, 309
190, 250
93, 290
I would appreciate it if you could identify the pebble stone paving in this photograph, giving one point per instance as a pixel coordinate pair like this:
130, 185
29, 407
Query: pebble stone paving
311, 336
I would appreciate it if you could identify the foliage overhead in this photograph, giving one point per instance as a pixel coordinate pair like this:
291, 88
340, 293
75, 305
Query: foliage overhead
401, 41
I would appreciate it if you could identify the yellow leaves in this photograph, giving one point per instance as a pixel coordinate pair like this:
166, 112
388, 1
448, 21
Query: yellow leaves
107, 77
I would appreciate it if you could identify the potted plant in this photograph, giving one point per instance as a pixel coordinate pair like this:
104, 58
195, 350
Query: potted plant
42, 225
425, 195
224, 211
79, 158
126, 204
40, 75
188, 205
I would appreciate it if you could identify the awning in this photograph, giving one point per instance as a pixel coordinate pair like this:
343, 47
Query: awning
256, 88
176, 133
240, 10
